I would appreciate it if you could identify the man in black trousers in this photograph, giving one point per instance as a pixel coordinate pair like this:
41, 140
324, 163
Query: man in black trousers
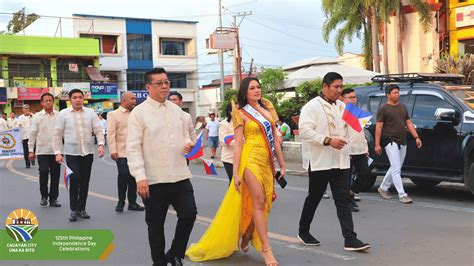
40, 134
75, 125
117, 125
324, 137
157, 140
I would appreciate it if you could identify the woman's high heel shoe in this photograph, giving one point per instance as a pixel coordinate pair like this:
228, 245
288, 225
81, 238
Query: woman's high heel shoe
245, 244
268, 257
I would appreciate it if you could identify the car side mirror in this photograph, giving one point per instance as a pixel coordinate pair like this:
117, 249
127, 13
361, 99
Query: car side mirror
446, 114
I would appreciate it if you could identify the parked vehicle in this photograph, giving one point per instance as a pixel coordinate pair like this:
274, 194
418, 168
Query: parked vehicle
444, 119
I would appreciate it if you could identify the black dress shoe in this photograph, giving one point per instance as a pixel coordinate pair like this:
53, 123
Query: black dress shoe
175, 261
44, 201
33, 162
119, 207
73, 216
135, 207
54, 203
83, 215
27, 166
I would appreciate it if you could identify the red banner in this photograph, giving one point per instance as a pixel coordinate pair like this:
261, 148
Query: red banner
31, 93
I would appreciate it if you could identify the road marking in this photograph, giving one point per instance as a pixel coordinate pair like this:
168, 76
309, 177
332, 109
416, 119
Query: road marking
203, 220
317, 251
374, 198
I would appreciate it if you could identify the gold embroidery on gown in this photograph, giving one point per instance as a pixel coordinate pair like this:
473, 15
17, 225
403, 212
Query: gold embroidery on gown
235, 212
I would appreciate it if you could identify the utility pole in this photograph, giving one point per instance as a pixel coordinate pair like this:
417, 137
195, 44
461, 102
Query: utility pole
237, 60
251, 67
235, 73
221, 59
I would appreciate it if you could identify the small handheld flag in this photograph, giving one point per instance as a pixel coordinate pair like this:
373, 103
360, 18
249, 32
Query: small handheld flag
198, 149
355, 117
209, 167
67, 176
228, 139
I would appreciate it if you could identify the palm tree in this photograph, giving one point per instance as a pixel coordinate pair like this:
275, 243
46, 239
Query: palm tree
387, 7
349, 17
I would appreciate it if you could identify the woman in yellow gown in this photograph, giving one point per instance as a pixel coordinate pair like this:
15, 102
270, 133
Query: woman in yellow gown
244, 210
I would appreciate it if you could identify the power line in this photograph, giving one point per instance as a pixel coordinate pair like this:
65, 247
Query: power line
286, 21
284, 51
288, 34
280, 45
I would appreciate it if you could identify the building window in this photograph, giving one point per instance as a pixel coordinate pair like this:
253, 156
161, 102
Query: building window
178, 80
466, 47
107, 43
173, 46
135, 81
139, 47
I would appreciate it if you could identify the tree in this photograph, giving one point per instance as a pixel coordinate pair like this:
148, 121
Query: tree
349, 17
272, 80
308, 90
229, 95
20, 21
390, 6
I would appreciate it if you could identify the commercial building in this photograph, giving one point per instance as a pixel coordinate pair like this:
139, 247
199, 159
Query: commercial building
452, 32
33, 65
461, 26
131, 46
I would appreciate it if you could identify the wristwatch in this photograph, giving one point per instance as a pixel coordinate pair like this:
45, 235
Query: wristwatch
326, 141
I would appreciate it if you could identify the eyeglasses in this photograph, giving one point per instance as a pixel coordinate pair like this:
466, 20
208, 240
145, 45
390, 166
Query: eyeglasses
161, 83
350, 97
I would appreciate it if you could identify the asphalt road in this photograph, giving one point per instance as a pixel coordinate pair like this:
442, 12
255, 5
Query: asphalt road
437, 229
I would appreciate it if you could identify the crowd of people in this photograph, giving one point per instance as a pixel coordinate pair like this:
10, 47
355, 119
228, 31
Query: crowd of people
331, 151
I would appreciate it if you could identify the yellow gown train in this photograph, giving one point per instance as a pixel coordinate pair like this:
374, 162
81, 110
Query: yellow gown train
235, 212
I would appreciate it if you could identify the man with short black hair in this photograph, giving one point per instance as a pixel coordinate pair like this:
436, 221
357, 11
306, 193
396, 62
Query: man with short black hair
40, 135
12, 121
3, 122
75, 124
157, 140
359, 152
212, 133
390, 132
176, 98
24, 122
324, 137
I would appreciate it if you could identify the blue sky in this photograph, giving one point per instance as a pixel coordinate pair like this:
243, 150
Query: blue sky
277, 32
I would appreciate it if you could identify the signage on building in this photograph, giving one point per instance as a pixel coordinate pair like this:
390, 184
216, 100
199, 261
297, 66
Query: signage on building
223, 40
31, 93
104, 90
73, 68
62, 93
140, 95
465, 16
18, 103
101, 107
3, 95
22, 82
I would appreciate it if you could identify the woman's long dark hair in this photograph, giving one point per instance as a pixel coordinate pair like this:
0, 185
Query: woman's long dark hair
244, 87
228, 112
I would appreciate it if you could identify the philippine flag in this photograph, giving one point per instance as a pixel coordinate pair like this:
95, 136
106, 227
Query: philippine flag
228, 139
355, 117
67, 176
198, 149
209, 167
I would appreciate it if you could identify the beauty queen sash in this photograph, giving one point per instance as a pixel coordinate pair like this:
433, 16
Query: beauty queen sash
265, 125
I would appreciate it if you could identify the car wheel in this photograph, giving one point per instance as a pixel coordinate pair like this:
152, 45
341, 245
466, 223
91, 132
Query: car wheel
369, 184
423, 183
